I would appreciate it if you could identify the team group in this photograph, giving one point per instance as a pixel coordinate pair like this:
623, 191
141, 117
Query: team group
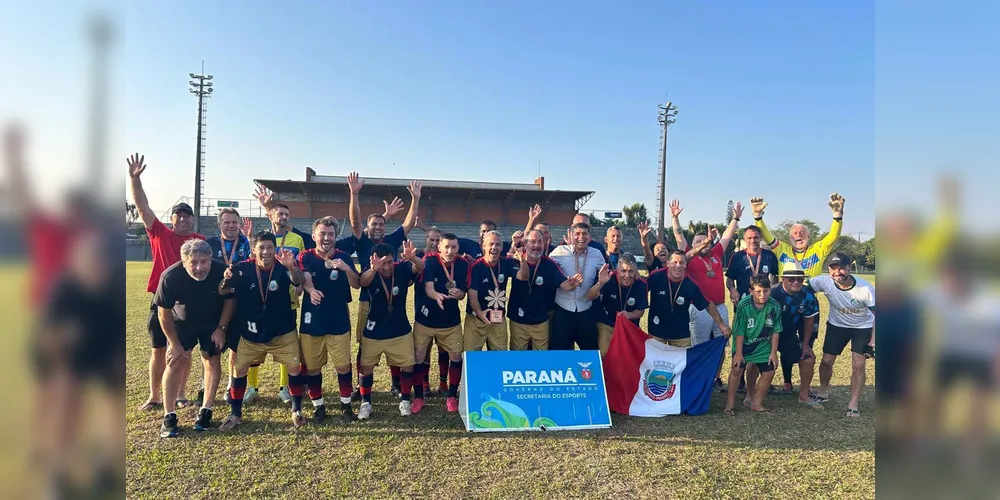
240, 290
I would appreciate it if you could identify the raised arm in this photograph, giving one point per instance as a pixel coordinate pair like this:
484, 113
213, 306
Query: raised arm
410, 253
727, 235
411, 216
757, 206
647, 252
265, 197
603, 276
136, 166
354, 184
836, 227
675, 221
533, 215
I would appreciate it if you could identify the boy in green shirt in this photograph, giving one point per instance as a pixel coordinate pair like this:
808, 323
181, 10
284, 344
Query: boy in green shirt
756, 328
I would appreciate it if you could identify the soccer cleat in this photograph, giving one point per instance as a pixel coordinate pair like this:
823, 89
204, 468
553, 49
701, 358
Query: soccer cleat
297, 419
349, 415
251, 394
452, 405
404, 408
169, 428
365, 411
418, 404
204, 421
320, 414
285, 395
230, 422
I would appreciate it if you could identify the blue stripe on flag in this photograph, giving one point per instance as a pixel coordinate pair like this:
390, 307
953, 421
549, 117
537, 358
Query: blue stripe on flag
699, 375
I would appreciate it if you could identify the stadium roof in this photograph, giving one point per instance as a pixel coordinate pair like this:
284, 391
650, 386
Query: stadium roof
327, 183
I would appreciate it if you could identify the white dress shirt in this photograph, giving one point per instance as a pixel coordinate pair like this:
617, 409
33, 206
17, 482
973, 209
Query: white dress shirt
587, 264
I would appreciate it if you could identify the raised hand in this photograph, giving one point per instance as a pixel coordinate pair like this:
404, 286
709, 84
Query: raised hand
757, 206
837, 205
568, 238
675, 208
354, 183
713, 233
414, 189
534, 211
644, 228
136, 165
263, 195
604, 275
409, 251
285, 257
393, 208
738, 211
247, 227
515, 239
376, 263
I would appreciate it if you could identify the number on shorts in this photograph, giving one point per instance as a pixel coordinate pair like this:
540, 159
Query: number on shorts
251, 327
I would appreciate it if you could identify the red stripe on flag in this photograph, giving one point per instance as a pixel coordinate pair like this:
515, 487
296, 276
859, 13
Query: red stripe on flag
621, 364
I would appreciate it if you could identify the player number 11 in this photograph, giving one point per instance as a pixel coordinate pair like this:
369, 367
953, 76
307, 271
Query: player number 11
251, 327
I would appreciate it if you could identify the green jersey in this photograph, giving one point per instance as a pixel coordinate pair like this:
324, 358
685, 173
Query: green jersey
754, 328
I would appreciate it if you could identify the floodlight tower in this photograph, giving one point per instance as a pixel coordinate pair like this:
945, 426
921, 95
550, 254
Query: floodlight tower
665, 117
203, 89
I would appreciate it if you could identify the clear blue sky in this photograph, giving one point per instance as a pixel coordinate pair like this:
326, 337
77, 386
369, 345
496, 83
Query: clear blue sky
780, 99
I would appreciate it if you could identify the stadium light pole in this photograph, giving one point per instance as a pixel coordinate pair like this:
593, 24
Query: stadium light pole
665, 117
100, 34
203, 89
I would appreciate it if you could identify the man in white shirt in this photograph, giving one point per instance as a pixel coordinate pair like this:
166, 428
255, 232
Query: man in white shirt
573, 320
852, 319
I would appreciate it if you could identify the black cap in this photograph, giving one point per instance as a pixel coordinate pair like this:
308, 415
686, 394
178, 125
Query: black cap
840, 259
182, 207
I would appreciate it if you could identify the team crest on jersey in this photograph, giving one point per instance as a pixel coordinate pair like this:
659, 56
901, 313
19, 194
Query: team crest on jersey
855, 302
658, 383
768, 323
680, 301
764, 269
272, 286
501, 278
714, 260
334, 274
539, 281
802, 308
630, 301
520, 312
395, 290
656, 320
370, 326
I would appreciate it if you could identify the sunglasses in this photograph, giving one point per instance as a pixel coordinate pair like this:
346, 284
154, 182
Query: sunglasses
795, 280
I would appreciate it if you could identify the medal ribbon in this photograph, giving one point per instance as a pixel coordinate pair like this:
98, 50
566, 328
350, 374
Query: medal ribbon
623, 297
673, 294
533, 274
448, 273
757, 266
388, 289
264, 290
232, 255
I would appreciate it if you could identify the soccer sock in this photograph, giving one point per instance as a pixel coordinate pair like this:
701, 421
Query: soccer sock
253, 376
358, 364
296, 384
237, 388
316, 388
284, 377
366, 387
455, 374
405, 384
419, 376
344, 380
394, 372
443, 366
787, 362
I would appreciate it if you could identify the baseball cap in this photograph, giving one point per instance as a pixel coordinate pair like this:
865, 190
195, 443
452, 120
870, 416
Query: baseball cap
182, 207
839, 259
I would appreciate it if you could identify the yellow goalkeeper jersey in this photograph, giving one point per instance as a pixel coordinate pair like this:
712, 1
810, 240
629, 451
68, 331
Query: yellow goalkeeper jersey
814, 255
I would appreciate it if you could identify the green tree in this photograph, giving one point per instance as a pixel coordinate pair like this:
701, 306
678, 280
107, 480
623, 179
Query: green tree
850, 246
594, 221
869, 252
781, 232
635, 214
131, 214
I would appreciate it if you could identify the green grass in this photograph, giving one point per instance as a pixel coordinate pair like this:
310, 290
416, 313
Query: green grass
794, 452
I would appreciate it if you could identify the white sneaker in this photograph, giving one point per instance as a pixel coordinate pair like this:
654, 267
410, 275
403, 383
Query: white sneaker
365, 411
286, 397
250, 395
404, 408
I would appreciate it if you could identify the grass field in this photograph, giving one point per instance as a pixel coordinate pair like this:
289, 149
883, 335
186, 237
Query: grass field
795, 452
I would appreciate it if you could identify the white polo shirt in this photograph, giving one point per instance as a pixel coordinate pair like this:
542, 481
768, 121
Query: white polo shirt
848, 308
588, 264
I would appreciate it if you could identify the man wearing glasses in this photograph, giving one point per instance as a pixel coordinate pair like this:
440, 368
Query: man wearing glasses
799, 311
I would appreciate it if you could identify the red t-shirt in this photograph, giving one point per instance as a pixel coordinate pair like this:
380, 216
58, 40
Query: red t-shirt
166, 246
50, 239
698, 267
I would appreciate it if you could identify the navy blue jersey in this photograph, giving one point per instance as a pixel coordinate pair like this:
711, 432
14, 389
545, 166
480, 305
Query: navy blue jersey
531, 300
223, 249
435, 271
386, 322
612, 259
614, 299
669, 303
743, 266
196, 305
481, 276
364, 247
475, 250
264, 307
331, 316
795, 308
308, 243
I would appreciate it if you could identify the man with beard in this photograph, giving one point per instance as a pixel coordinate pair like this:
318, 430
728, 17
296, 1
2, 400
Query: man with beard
671, 293
809, 256
387, 329
192, 310
799, 310
532, 295
656, 253
619, 291
166, 247
486, 309
266, 319
548, 247
325, 323
432, 236
852, 319
444, 282
573, 321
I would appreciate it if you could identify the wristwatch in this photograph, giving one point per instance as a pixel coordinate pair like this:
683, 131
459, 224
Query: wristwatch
223, 327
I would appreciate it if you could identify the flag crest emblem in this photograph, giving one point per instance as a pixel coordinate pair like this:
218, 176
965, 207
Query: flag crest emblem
658, 383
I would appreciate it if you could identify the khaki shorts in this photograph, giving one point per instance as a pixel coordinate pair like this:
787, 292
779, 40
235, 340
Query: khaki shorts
363, 308
398, 351
520, 334
448, 339
284, 350
316, 350
604, 337
479, 334
676, 342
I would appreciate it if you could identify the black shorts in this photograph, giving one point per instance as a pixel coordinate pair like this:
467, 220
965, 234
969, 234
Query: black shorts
762, 367
837, 338
156, 336
232, 339
793, 349
954, 368
202, 339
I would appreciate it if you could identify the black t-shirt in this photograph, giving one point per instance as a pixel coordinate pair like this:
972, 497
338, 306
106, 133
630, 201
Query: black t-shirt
264, 308
196, 305
669, 316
